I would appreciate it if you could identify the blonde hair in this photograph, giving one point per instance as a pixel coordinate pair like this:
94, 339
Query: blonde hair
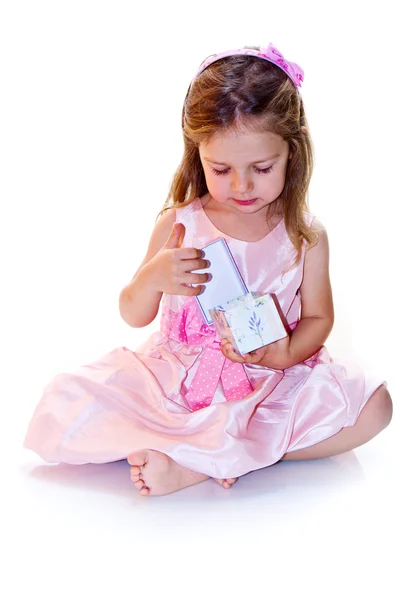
244, 91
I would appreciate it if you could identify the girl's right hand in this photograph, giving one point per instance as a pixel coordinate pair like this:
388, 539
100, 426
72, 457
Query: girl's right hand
170, 270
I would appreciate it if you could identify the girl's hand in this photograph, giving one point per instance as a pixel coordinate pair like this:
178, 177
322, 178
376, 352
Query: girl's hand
170, 271
274, 356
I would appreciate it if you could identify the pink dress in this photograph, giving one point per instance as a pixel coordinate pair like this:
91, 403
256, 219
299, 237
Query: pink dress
127, 401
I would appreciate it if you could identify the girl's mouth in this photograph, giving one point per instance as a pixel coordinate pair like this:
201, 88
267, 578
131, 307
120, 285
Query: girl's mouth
245, 202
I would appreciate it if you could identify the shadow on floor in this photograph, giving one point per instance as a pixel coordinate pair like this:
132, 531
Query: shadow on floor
285, 478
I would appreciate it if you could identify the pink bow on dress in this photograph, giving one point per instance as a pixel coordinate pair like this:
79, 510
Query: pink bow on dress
189, 328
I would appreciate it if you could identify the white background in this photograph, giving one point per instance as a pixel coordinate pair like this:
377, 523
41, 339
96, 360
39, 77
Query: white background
91, 97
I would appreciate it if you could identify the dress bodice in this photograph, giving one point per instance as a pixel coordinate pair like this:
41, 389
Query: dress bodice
262, 264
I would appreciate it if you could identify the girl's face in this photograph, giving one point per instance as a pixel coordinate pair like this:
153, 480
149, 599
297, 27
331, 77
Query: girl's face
245, 171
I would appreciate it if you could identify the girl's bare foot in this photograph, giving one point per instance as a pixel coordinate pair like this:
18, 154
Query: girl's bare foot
156, 474
226, 483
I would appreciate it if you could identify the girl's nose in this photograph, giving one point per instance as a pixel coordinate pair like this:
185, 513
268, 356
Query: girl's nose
242, 184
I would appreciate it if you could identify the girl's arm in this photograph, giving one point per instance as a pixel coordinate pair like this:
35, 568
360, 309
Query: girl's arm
167, 268
139, 301
317, 311
317, 316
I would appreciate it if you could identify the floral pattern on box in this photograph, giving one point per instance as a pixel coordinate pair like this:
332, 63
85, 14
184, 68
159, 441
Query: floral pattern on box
249, 322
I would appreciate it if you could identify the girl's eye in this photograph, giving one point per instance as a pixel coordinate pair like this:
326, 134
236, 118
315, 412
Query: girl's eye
216, 172
267, 170
257, 170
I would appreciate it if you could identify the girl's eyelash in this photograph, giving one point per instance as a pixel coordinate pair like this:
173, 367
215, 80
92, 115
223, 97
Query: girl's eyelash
257, 170
266, 170
223, 172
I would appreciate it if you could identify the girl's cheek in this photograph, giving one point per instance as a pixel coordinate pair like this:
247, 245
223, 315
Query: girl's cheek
211, 186
219, 186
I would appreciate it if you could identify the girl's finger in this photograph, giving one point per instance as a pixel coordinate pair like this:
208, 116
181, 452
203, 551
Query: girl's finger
254, 357
249, 358
231, 354
227, 350
226, 345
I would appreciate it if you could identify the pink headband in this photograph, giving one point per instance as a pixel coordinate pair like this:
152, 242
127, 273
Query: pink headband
270, 54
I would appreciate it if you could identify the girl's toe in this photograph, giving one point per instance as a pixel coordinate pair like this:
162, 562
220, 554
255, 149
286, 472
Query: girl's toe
138, 459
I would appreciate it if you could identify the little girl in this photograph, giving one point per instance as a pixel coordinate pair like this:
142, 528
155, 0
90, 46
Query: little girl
244, 176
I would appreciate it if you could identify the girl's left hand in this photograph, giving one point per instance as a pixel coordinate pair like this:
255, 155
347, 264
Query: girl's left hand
274, 356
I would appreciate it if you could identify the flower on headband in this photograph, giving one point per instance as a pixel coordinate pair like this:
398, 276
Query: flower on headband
293, 70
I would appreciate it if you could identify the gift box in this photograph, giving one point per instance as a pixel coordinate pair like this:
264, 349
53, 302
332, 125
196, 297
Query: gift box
249, 322
226, 282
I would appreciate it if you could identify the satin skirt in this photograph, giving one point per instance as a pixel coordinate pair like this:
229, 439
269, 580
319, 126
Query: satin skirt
127, 401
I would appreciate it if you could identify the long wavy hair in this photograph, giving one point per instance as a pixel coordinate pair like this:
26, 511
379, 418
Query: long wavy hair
247, 92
